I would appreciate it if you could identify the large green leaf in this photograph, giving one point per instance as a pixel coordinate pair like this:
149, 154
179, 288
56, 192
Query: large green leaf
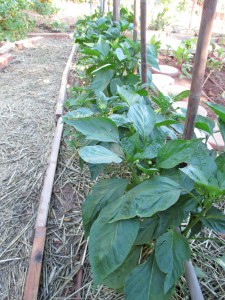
116, 279
172, 249
100, 128
146, 282
205, 124
103, 193
204, 159
152, 228
102, 80
90, 51
120, 120
181, 178
143, 118
213, 182
119, 53
110, 244
148, 198
218, 109
182, 95
175, 152
129, 96
151, 56
98, 155
214, 220
102, 46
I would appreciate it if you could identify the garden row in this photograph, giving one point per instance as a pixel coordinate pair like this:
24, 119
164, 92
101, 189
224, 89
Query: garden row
165, 189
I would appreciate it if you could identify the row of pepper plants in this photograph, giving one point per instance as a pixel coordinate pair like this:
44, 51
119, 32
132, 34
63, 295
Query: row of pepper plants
164, 189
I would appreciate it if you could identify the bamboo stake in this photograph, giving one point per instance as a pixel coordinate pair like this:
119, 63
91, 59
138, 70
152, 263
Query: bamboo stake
116, 11
135, 30
205, 31
208, 14
143, 42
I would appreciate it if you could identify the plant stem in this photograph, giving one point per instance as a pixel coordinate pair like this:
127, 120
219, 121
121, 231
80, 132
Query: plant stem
195, 221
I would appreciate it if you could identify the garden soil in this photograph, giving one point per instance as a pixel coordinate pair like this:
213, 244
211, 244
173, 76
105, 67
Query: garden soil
29, 89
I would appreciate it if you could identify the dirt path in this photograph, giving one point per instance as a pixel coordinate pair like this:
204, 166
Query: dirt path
29, 89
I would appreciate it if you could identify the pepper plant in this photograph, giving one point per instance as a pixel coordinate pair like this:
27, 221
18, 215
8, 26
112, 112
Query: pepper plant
166, 189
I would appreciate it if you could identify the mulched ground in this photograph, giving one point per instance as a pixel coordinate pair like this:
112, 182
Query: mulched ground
29, 89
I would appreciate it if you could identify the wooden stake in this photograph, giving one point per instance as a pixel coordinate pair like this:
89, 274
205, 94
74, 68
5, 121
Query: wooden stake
116, 11
62, 91
135, 30
205, 31
143, 41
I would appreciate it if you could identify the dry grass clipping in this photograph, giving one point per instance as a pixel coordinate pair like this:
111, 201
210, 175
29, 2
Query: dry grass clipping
29, 89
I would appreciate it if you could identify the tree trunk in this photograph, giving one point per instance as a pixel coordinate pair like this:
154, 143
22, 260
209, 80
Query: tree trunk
143, 42
116, 11
135, 29
205, 31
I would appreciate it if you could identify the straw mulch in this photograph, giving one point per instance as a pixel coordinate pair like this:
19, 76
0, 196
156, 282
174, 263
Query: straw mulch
29, 89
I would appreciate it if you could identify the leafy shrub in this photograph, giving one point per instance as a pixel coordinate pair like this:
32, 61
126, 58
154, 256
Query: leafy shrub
14, 23
44, 7
162, 184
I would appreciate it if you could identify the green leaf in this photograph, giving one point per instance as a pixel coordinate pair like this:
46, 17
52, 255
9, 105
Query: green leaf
143, 119
221, 124
90, 51
172, 249
152, 228
114, 83
119, 120
103, 193
146, 282
102, 46
175, 152
215, 220
95, 170
110, 244
195, 174
119, 53
98, 155
146, 199
218, 109
149, 152
205, 124
102, 80
221, 261
182, 95
151, 56
116, 279
181, 178
129, 96
99, 128
81, 112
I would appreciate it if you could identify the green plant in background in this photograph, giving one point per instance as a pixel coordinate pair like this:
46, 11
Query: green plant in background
156, 43
44, 7
14, 23
215, 58
161, 21
162, 184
